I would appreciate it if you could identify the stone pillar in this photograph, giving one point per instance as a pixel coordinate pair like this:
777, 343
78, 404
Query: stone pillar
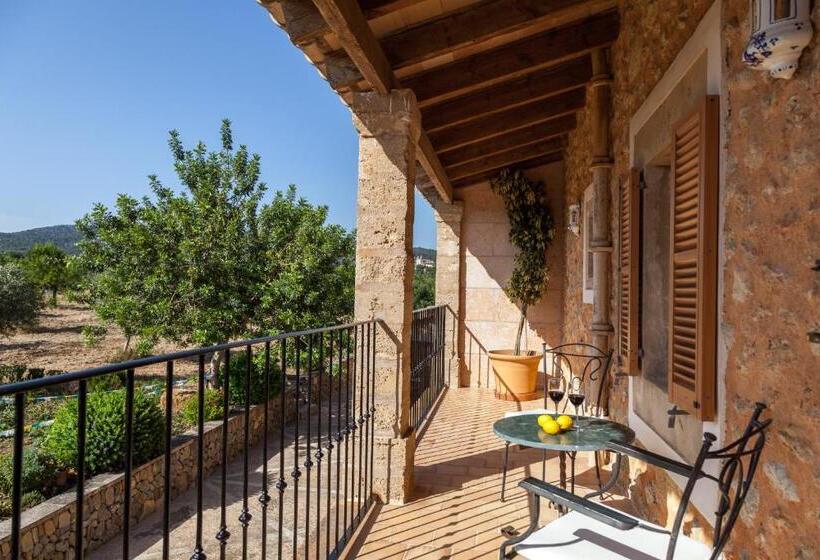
450, 285
601, 165
388, 126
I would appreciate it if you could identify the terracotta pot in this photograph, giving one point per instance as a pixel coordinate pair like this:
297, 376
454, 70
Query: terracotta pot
516, 375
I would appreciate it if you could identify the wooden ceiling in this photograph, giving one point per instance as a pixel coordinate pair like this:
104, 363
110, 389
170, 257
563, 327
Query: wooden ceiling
498, 82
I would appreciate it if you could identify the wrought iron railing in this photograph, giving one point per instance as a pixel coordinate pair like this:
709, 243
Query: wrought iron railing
427, 361
322, 383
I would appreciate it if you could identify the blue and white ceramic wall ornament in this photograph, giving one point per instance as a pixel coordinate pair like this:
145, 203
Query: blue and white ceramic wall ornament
781, 29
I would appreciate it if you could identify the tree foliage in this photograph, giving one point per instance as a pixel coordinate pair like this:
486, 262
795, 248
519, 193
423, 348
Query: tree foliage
20, 298
424, 287
531, 232
47, 265
214, 262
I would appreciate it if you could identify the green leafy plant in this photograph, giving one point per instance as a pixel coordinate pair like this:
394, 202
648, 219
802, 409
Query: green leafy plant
20, 299
424, 287
105, 436
189, 412
210, 261
93, 334
38, 472
531, 231
236, 377
48, 266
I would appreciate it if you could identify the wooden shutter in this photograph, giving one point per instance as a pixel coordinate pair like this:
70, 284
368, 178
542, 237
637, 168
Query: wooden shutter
693, 266
629, 264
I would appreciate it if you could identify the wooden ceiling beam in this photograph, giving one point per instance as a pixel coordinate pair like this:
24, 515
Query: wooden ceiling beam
505, 158
478, 178
477, 23
346, 20
503, 122
377, 8
513, 60
532, 87
542, 131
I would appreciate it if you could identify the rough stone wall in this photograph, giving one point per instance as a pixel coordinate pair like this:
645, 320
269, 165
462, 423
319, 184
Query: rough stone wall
770, 231
47, 530
771, 297
491, 319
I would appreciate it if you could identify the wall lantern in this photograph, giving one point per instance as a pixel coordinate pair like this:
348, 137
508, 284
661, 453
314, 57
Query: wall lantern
574, 219
781, 29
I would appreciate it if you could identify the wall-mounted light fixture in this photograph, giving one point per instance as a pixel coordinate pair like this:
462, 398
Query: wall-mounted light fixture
574, 218
781, 29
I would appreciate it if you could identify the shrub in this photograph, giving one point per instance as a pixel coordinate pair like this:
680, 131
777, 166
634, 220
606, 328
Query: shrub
93, 334
20, 299
189, 413
38, 472
236, 377
105, 436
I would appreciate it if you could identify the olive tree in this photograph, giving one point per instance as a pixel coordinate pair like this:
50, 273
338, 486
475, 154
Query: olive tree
531, 232
210, 261
20, 298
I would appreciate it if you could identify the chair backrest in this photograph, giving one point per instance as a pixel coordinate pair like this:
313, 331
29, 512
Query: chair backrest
739, 463
587, 362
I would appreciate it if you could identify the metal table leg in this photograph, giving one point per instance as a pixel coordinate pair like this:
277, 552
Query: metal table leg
504, 471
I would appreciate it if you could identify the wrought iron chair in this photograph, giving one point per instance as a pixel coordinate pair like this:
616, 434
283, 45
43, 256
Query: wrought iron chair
588, 363
593, 530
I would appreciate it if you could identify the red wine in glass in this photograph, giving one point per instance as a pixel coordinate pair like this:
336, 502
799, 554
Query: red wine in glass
555, 390
576, 397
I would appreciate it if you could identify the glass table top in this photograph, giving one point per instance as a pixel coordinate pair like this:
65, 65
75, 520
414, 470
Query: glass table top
594, 433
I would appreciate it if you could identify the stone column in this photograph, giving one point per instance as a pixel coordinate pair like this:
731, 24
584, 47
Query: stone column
450, 285
388, 126
601, 166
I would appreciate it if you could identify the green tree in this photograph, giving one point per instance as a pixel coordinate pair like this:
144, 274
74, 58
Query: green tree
212, 262
424, 287
531, 232
20, 298
48, 266
308, 266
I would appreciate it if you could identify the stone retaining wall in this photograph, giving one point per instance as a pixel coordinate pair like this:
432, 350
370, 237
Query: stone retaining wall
47, 529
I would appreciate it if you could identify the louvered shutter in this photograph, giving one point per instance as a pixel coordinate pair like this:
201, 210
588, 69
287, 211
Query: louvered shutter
693, 266
629, 262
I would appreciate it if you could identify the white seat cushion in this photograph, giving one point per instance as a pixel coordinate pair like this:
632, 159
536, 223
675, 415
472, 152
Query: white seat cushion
575, 536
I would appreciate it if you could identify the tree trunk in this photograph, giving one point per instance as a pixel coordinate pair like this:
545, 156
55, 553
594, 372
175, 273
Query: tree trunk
127, 342
53, 296
520, 330
216, 361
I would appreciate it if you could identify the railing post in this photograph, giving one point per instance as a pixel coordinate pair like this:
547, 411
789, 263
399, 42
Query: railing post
389, 126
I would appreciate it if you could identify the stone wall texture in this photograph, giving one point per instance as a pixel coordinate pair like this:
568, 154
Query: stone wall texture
490, 318
770, 233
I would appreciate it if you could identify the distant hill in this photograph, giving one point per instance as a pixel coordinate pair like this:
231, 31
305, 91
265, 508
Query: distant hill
424, 252
65, 237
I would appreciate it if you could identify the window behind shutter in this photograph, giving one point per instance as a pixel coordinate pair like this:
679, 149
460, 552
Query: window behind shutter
693, 253
629, 262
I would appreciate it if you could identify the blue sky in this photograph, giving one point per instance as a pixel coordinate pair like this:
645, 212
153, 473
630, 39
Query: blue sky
89, 90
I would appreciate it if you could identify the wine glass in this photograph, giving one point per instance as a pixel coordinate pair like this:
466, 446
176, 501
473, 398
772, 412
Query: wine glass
576, 397
555, 389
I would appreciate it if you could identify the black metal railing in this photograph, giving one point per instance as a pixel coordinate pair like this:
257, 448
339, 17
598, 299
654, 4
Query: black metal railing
316, 439
428, 375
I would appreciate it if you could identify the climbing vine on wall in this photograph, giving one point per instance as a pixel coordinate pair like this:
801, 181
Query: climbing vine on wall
532, 229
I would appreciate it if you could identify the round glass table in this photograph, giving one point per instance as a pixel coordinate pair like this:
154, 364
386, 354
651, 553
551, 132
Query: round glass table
587, 434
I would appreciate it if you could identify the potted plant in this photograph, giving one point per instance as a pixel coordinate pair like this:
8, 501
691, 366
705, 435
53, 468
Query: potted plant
531, 232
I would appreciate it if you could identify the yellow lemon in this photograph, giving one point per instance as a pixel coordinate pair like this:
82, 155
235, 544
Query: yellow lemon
551, 427
564, 421
544, 418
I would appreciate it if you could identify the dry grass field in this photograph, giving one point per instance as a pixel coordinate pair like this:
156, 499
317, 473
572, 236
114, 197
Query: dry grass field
57, 343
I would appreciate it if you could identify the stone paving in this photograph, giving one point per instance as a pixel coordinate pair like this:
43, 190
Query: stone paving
146, 536
457, 512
